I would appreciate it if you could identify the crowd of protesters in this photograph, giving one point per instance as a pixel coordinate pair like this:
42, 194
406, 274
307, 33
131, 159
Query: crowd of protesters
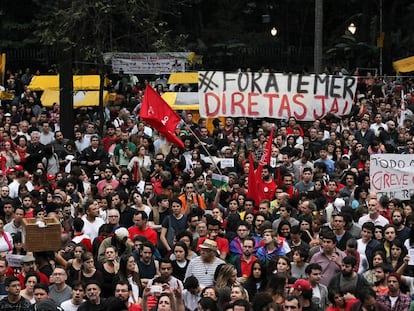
145, 228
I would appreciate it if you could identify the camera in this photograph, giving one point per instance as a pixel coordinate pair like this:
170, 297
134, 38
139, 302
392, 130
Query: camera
156, 289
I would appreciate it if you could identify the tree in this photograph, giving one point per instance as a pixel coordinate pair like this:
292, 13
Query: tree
87, 29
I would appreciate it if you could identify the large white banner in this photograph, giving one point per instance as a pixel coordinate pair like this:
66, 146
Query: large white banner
274, 95
392, 175
147, 63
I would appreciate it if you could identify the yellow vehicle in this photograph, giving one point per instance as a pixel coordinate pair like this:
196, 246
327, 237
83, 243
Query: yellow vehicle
187, 101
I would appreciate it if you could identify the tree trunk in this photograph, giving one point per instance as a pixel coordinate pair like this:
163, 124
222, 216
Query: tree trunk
66, 92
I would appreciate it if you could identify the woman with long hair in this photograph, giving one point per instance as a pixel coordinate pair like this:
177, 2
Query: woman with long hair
186, 237
74, 264
340, 301
283, 230
276, 287
142, 162
257, 281
88, 270
305, 226
377, 259
397, 254
226, 277
9, 156
21, 148
109, 270
50, 160
180, 263
128, 271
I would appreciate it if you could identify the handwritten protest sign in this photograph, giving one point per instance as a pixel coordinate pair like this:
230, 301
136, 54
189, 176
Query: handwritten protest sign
392, 175
274, 95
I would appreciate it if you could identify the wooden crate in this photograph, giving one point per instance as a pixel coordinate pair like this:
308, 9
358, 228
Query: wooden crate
38, 239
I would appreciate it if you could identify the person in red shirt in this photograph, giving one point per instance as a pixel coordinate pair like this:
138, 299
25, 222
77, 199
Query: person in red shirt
79, 236
110, 138
245, 261
213, 227
268, 185
140, 228
28, 265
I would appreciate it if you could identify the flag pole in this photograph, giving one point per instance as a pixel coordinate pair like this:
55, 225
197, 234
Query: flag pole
204, 147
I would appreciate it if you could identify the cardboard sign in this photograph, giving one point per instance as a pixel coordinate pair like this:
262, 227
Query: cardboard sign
392, 175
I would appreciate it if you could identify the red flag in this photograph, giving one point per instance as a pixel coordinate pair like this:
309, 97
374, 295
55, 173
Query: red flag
158, 114
251, 182
267, 152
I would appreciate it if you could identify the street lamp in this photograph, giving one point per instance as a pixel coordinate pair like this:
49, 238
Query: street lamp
352, 28
273, 31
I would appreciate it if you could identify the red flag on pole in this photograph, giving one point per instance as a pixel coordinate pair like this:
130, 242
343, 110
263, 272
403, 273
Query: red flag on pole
267, 152
158, 114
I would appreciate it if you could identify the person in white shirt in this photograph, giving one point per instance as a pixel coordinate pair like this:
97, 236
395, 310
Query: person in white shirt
78, 291
373, 214
92, 220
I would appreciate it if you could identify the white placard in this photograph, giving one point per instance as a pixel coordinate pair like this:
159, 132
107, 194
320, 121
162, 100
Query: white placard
227, 162
392, 175
307, 97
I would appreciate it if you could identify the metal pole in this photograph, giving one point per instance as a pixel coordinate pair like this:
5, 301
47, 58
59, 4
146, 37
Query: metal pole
318, 44
381, 36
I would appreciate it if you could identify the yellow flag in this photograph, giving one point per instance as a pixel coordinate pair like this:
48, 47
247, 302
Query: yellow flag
404, 65
2, 68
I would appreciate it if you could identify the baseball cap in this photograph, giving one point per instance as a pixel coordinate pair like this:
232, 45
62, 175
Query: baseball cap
121, 233
301, 284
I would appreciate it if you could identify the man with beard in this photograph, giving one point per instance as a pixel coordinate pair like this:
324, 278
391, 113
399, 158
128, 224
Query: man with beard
192, 220
108, 180
204, 266
244, 262
398, 220
347, 279
267, 189
394, 300
8, 210
110, 137
166, 270
213, 229
123, 291
381, 274
389, 137
93, 293
373, 214
59, 145
70, 189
